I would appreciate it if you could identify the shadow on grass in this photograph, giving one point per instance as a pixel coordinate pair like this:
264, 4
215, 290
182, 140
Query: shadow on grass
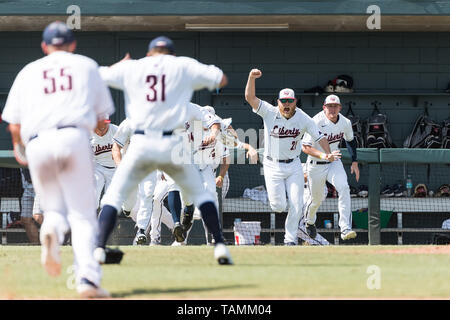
313, 265
140, 291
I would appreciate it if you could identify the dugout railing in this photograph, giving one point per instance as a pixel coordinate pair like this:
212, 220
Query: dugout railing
388, 219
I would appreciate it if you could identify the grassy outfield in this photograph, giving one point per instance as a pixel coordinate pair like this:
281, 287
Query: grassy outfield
260, 272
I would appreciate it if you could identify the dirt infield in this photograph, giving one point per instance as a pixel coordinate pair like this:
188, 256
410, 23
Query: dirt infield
422, 250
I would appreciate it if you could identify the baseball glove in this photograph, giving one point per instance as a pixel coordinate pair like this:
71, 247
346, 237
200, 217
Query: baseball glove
420, 191
113, 256
443, 191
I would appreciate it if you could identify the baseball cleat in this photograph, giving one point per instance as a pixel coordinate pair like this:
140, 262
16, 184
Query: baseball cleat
178, 232
348, 234
50, 257
290, 244
311, 230
88, 290
140, 238
186, 219
177, 244
126, 213
222, 255
100, 255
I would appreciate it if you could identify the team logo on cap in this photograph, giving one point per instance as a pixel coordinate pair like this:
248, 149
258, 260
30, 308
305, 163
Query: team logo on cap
161, 43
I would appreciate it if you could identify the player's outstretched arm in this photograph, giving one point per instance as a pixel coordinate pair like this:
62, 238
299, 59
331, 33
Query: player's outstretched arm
351, 147
223, 171
250, 94
318, 154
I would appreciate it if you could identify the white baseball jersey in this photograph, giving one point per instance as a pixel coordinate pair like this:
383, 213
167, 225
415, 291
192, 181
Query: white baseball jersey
156, 88
123, 134
334, 132
102, 147
281, 135
57, 90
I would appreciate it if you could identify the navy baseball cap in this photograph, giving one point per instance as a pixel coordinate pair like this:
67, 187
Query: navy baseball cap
57, 33
162, 42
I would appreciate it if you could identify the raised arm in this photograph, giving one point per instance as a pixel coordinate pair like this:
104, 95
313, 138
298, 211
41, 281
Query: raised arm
250, 94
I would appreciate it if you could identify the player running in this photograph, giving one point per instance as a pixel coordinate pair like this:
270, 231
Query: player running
157, 89
104, 167
65, 98
335, 127
284, 126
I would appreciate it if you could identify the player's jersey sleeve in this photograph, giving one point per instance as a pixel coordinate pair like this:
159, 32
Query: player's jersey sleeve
103, 103
202, 75
123, 133
348, 130
114, 76
264, 109
11, 112
307, 140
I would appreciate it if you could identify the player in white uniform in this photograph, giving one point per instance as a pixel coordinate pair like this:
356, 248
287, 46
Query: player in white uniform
208, 128
104, 167
209, 157
284, 126
157, 90
335, 127
65, 98
142, 195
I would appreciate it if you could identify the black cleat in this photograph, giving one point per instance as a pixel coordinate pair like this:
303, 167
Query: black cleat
178, 232
186, 219
290, 244
126, 213
311, 230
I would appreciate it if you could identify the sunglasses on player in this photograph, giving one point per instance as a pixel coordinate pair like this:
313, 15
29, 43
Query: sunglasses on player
287, 100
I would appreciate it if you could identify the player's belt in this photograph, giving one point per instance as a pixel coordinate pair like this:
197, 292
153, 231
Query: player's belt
108, 167
318, 162
58, 128
165, 133
278, 160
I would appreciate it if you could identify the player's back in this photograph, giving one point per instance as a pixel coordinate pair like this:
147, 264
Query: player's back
59, 89
158, 88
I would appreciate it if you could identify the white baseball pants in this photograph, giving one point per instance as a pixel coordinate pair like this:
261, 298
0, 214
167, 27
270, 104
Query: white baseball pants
285, 179
160, 212
302, 234
61, 167
145, 198
148, 153
334, 173
103, 177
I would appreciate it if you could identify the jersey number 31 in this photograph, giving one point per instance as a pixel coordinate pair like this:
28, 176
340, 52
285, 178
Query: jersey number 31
152, 80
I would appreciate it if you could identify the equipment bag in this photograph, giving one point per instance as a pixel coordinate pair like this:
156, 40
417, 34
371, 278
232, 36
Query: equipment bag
357, 127
377, 133
426, 134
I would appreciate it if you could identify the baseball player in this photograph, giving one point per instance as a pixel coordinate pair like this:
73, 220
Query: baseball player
104, 167
157, 90
54, 121
284, 126
335, 127
209, 157
142, 195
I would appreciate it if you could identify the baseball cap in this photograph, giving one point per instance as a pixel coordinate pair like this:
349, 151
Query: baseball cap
162, 42
332, 99
57, 33
286, 94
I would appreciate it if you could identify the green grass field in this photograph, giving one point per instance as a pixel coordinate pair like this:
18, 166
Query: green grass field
260, 272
